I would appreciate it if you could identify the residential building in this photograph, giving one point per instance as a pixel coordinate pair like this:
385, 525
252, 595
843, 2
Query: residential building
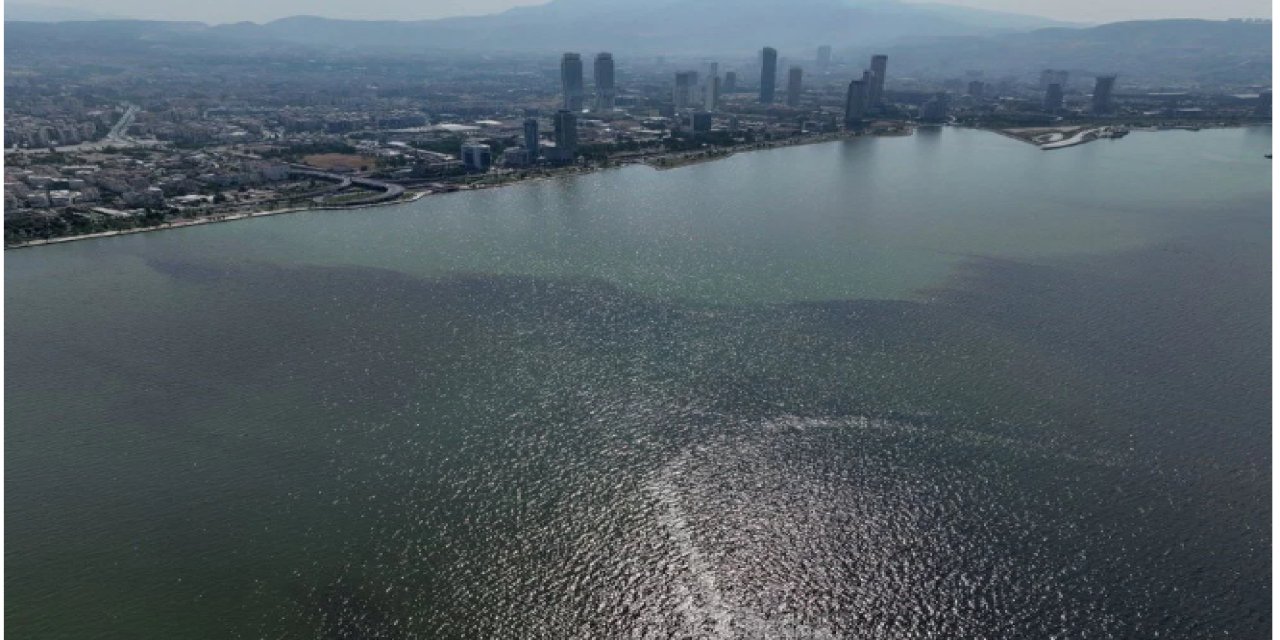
795, 85
682, 95
1102, 87
936, 108
768, 74
855, 103
1053, 98
605, 93
571, 81
824, 57
566, 136
476, 156
701, 122
531, 138
879, 71
1053, 76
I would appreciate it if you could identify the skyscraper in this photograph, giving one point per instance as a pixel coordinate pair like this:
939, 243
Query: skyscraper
711, 87
855, 103
566, 123
936, 108
476, 156
1053, 97
824, 57
711, 94
768, 74
1053, 76
604, 82
795, 84
531, 138
730, 82
701, 122
571, 81
977, 88
682, 94
879, 67
1102, 87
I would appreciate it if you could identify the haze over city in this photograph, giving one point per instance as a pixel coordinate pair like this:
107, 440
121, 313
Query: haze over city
227, 11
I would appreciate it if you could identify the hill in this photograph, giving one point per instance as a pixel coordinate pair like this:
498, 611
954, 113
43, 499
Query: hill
657, 27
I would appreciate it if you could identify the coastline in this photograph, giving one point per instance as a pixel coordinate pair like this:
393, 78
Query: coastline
193, 222
659, 163
1086, 133
686, 158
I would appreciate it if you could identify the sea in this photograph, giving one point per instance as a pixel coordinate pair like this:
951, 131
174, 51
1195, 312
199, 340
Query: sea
945, 385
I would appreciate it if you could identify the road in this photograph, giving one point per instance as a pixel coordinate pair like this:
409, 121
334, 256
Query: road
117, 137
389, 191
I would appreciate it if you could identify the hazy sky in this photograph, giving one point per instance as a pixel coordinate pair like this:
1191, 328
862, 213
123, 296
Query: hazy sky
263, 10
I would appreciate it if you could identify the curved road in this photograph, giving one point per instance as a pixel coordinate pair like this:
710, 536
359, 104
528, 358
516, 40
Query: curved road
389, 191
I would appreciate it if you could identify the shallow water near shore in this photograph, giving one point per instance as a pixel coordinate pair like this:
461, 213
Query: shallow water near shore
945, 385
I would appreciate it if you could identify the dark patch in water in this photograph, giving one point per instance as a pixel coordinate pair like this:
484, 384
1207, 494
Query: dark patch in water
1026, 454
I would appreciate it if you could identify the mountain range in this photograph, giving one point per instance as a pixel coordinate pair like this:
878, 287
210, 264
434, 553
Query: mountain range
928, 39
629, 26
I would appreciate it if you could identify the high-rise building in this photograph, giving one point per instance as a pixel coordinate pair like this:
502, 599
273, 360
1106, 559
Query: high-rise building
604, 82
1053, 98
701, 121
682, 94
768, 74
879, 69
977, 88
855, 103
476, 156
795, 84
1102, 87
711, 94
1053, 76
531, 138
936, 108
730, 82
566, 124
824, 57
1263, 108
711, 87
571, 81
1046, 78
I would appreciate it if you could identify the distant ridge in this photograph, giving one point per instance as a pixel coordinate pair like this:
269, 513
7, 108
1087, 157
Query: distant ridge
45, 13
921, 39
647, 26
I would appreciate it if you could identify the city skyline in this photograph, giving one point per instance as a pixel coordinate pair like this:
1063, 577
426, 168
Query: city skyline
230, 11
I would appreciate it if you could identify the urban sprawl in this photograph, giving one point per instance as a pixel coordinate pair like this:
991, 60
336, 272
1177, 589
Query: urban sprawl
89, 152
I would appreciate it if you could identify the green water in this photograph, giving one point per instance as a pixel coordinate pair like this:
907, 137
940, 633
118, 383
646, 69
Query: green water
945, 383
875, 217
